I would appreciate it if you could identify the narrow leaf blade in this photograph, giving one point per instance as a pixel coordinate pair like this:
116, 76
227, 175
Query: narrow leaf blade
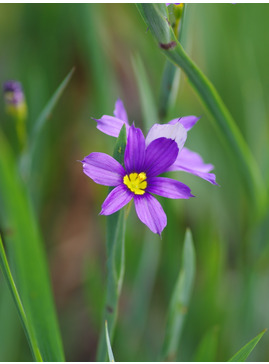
244, 353
180, 300
17, 300
46, 112
25, 248
149, 109
109, 349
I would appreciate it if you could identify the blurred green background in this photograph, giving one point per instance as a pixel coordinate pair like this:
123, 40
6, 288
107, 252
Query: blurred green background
39, 45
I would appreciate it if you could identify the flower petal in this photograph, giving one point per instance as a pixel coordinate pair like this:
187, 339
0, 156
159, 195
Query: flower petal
120, 111
192, 162
110, 125
150, 212
160, 155
103, 169
187, 121
117, 198
168, 187
175, 132
135, 151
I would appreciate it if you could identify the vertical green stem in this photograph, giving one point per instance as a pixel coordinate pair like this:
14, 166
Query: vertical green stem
116, 261
171, 73
115, 268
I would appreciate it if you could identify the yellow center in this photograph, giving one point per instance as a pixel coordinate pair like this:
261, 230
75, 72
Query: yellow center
136, 182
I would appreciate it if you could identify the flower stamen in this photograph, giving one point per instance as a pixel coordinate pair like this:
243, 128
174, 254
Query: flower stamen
136, 182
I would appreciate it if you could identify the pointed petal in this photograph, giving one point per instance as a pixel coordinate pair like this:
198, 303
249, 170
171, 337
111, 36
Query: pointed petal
192, 162
187, 121
160, 155
175, 132
150, 212
117, 198
168, 187
103, 169
135, 151
120, 111
110, 125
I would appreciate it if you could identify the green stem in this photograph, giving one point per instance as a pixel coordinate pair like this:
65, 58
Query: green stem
162, 31
171, 73
13, 289
115, 268
116, 260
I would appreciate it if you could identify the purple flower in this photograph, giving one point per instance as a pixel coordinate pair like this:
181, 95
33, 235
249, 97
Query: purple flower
187, 160
144, 161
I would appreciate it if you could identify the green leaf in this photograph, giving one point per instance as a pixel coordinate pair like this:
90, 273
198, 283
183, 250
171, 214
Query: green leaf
13, 289
25, 249
115, 261
180, 300
27, 156
109, 349
207, 348
144, 281
46, 112
149, 109
244, 353
172, 49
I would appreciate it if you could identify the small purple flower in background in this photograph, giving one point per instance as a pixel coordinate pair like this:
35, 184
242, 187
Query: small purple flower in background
144, 160
14, 99
187, 160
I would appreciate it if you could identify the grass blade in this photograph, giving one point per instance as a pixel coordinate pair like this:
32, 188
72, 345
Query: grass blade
168, 43
149, 110
244, 353
180, 300
46, 112
109, 350
115, 262
25, 249
207, 348
13, 289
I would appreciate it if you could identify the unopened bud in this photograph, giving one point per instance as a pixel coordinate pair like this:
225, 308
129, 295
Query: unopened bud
14, 99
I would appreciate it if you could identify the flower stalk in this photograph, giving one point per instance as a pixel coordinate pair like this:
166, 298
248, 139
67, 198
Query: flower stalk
116, 261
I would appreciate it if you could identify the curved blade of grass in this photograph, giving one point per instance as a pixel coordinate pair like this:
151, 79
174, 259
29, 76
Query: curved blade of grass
25, 249
116, 260
149, 109
207, 348
46, 112
168, 43
26, 158
13, 289
144, 281
244, 353
180, 299
109, 349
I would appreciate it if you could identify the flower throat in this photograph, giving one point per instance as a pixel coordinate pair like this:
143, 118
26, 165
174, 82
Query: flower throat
136, 182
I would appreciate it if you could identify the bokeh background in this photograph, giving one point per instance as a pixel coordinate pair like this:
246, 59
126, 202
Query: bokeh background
39, 44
